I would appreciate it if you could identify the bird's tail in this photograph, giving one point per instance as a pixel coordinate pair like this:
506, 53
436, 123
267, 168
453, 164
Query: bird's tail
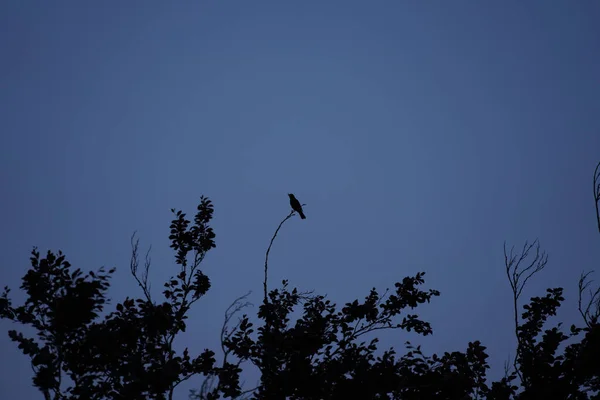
302, 215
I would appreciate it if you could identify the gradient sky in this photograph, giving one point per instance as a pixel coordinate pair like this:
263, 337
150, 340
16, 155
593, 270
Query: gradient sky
421, 135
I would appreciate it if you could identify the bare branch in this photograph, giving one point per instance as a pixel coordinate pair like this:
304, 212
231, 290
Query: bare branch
507, 368
305, 296
269, 249
134, 264
147, 263
518, 275
210, 382
232, 310
514, 270
590, 315
596, 182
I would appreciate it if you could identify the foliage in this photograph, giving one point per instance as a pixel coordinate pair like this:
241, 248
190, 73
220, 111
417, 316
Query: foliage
127, 354
323, 354
326, 353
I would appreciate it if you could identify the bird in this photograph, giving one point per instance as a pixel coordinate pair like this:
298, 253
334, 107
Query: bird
296, 205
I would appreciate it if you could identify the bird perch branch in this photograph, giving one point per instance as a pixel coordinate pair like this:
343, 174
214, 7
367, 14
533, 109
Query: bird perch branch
269, 249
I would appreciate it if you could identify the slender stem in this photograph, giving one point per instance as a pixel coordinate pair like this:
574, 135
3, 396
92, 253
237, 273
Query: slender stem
269, 250
597, 193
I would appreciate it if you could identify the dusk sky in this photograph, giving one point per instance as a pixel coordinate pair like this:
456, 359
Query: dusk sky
420, 134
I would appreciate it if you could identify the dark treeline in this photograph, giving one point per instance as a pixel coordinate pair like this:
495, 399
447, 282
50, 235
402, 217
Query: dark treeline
128, 352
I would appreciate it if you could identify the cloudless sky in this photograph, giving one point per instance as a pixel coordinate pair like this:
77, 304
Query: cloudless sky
421, 135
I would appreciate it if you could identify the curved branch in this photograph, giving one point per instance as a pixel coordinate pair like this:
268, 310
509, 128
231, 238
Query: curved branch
269, 249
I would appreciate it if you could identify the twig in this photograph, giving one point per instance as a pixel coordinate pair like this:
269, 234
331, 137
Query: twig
225, 334
134, 263
589, 317
507, 368
597, 193
209, 383
514, 273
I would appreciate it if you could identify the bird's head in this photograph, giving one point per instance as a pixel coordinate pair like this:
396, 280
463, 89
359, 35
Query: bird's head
291, 195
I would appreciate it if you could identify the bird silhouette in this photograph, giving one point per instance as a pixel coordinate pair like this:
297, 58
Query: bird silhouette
296, 206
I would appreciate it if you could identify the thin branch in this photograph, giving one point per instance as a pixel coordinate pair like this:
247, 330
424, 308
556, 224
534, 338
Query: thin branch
507, 368
515, 273
269, 249
234, 308
237, 306
589, 316
134, 264
206, 386
246, 392
382, 297
290, 215
371, 328
597, 193
147, 262
305, 296
208, 383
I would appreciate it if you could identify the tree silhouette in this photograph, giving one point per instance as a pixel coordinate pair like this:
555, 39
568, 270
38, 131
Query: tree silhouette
127, 354
324, 354
542, 372
329, 352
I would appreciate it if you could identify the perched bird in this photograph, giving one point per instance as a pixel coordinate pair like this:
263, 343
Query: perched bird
296, 205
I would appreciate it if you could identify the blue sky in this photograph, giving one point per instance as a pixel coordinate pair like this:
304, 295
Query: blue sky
421, 135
